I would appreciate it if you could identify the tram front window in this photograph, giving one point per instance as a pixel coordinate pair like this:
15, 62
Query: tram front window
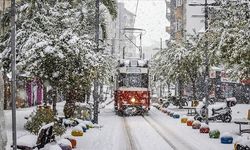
133, 80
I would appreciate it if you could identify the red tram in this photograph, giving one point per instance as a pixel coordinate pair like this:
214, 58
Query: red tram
131, 92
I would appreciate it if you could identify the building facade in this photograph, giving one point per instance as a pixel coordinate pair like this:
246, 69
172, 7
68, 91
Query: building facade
118, 37
184, 18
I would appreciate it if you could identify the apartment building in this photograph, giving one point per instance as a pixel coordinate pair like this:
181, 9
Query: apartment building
184, 19
121, 46
4, 4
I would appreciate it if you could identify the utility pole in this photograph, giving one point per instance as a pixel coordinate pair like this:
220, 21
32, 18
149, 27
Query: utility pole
3, 14
206, 76
162, 77
13, 69
206, 61
96, 83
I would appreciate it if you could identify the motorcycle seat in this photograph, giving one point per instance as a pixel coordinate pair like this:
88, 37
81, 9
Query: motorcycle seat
214, 110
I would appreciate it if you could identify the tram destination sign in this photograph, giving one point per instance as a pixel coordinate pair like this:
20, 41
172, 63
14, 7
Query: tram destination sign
133, 70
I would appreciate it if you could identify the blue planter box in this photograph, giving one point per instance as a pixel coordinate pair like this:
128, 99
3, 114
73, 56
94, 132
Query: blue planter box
176, 116
226, 140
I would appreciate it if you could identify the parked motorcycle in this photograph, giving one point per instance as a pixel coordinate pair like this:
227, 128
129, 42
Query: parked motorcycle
222, 113
176, 101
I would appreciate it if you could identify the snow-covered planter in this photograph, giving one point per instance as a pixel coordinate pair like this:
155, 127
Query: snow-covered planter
65, 147
176, 116
196, 124
68, 122
27, 141
89, 124
164, 110
156, 105
53, 147
171, 114
84, 126
204, 128
190, 122
77, 131
64, 142
184, 119
226, 138
45, 136
72, 141
214, 134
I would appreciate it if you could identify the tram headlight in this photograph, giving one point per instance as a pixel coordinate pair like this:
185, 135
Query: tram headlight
132, 100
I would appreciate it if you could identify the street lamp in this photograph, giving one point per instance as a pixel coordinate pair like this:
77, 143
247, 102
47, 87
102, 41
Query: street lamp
13, 69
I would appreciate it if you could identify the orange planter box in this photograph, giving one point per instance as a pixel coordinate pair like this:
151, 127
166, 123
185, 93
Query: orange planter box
77, 133
184, 120
73, 142
190, 122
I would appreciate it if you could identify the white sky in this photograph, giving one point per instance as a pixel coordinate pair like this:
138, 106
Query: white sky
151, 16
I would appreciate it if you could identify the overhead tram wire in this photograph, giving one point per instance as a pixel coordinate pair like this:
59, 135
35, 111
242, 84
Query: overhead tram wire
136, 8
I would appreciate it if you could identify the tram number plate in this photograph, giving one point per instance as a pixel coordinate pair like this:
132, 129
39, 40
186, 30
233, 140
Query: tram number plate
133, 69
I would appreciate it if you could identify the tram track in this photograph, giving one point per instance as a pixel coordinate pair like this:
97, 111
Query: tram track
165, 133
169, 136
160, 133
130, 138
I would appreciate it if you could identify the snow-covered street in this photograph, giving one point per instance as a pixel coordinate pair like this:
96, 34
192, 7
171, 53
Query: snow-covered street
154, 131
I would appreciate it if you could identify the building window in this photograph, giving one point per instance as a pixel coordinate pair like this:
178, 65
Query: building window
178, 25
178, 3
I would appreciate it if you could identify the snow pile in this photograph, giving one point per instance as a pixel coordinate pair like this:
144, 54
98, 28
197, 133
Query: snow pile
227, 134
196, 122
83, 125
47, 126
52, 147
204, 125
64, 142
27, 140
89, 123
190, 119
243, 140
77, 128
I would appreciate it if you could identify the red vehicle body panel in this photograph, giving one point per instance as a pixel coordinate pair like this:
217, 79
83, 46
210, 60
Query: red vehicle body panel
123, 99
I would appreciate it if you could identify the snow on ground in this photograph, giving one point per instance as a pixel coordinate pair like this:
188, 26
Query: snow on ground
181, 132
144, 136
196, 139
20, 121
150, 132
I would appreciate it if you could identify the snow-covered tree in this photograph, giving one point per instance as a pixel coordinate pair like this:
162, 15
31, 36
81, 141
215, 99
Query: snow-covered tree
179, 62
229, 32
56, 44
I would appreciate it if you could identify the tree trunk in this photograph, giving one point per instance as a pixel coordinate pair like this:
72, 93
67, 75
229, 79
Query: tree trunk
54, 99
45, 98
69, 107
96, 101
3, 137
194, 90
88, 95
101, 93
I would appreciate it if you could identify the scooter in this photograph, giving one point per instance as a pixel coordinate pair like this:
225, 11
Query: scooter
222, 113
